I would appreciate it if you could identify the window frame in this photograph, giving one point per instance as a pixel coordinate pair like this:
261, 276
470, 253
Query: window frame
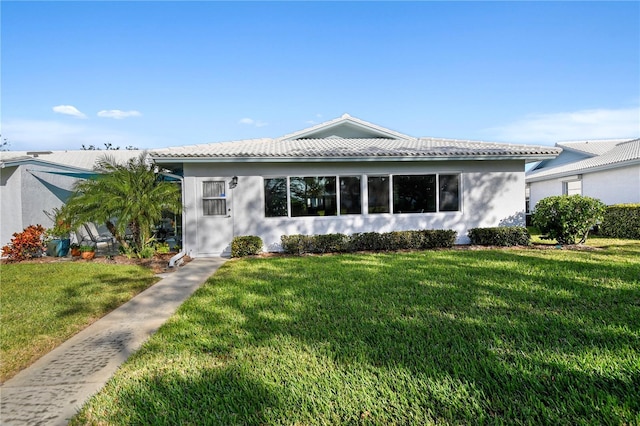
221, 197
365, 207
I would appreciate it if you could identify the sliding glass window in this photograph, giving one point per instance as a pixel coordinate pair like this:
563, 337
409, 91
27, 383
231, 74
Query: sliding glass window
318, 195
414, 194
350, 195
449, 193
275, 197
313, 196
378, 194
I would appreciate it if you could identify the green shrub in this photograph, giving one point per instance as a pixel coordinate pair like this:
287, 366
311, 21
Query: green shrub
329, 243
567, 218
437, 238
162, 248
246, 246
294, 244
147, 252
368, 241
621, 221
503, 236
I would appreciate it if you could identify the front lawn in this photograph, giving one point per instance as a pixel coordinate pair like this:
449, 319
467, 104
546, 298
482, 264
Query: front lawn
43, 304
524, 336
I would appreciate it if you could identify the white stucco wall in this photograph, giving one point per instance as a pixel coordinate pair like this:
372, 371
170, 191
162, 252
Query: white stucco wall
10, 203
26, 193
613, 186
492, 195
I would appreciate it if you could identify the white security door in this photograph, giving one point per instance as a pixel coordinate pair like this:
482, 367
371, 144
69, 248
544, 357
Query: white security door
215, 224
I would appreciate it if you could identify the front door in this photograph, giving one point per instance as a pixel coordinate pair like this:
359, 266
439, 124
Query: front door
215, 224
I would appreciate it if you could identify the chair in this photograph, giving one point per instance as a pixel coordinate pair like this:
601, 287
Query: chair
88, 234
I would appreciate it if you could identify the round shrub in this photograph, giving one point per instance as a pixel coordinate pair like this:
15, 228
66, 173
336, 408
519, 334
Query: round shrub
567, 218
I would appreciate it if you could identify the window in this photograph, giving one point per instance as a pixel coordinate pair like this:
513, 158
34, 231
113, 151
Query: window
527, 198
414, 194
213, 198
378, 194
343, 195
313, 196
275, 197
449, 193
573, 187
350, 196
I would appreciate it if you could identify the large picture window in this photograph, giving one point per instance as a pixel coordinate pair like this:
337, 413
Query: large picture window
378, 194
343, 195
313, 196
414, 194
275, 197
214, 200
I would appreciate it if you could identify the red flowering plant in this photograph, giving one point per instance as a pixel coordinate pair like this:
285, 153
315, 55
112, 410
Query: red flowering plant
26, 244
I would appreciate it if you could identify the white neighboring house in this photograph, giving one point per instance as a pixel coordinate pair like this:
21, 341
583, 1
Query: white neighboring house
608, 170
37, 181
345, 176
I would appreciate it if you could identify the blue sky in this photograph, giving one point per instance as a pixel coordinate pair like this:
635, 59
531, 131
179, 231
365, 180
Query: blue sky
157, 74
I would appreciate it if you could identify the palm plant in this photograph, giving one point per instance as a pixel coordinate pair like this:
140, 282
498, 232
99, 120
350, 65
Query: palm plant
124, 196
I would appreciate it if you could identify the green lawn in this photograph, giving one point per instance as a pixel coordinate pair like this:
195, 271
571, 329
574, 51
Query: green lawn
448, 337
43, 304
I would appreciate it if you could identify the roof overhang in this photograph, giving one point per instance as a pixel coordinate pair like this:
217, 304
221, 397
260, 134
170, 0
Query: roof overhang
573, 172
176, 160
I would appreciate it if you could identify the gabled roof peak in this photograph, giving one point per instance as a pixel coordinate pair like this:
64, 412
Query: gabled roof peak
347, 127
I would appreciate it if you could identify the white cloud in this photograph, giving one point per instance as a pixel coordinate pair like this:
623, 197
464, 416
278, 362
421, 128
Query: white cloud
318, 117
69, 110
118, 114
39, 135
577, 125
252, 122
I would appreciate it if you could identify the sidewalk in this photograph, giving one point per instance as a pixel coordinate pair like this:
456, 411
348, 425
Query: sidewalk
50, 391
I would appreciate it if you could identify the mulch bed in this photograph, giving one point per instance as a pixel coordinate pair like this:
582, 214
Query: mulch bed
159, 263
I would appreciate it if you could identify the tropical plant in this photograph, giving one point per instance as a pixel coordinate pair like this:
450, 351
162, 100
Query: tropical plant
87, 248
130, 196
61, 227
567, 218
26, 244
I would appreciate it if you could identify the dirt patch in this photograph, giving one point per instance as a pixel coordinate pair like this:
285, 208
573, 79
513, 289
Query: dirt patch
159, 263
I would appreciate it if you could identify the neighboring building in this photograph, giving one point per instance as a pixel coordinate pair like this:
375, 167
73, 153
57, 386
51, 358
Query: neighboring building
608, 170
345, 176
32, 183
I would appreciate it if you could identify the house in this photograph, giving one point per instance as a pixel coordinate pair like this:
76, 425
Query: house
608, 170
345, 176
35, 182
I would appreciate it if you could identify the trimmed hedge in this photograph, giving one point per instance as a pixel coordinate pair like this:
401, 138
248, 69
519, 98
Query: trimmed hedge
503, 236
621, 221
368, 241
246, 246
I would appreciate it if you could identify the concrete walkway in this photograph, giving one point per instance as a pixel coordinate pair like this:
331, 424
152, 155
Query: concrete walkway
50, 391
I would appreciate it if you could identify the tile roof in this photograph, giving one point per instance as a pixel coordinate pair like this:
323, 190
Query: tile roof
75, 159
349, 138
593, 147
339, 148
618, 155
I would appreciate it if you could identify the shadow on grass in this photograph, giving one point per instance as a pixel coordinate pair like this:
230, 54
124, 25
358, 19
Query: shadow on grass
459, 337
101, 293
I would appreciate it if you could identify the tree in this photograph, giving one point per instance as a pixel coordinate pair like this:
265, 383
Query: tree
108, 146
566, 218
4, 144
129, 196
